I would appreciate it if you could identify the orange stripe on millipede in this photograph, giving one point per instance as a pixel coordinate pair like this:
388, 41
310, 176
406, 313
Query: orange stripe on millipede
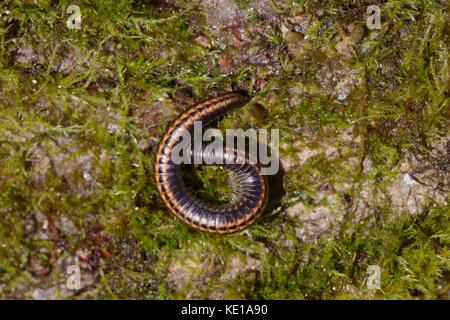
167, 189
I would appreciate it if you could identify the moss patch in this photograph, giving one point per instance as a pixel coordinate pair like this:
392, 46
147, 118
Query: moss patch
363, 118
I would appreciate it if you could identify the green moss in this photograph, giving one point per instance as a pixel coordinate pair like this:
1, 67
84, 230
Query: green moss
75, 180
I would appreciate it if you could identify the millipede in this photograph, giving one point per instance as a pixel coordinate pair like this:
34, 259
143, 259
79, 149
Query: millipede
248, 186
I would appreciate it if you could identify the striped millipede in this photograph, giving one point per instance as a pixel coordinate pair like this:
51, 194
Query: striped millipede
248, 185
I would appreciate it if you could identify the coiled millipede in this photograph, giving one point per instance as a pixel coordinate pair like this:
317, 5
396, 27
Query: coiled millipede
248, 185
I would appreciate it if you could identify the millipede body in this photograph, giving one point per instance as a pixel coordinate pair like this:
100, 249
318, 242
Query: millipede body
248, 185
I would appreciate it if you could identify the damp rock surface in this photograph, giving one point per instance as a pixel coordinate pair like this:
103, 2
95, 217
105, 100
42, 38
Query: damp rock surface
364, 149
